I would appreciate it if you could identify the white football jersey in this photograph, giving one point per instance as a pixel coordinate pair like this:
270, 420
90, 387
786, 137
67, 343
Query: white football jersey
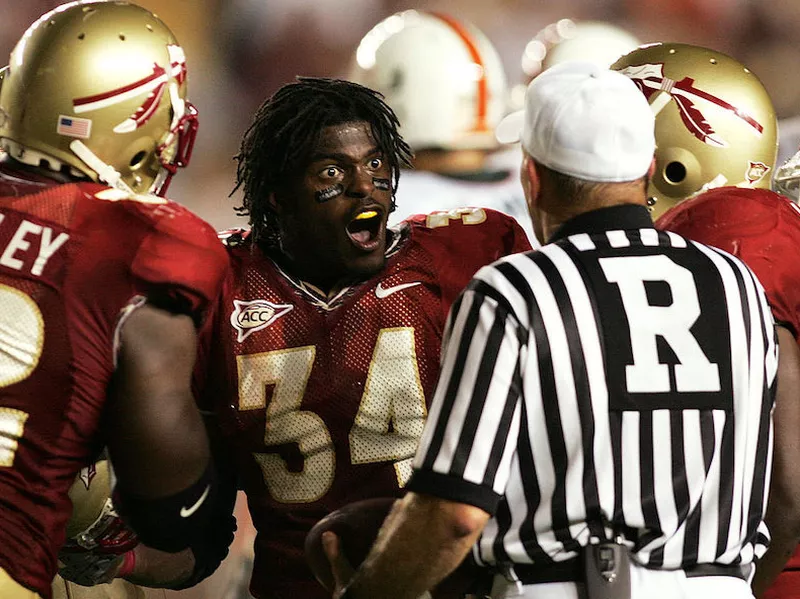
420, 192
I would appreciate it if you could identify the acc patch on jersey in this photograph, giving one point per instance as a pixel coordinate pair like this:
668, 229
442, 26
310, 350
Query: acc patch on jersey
251, 316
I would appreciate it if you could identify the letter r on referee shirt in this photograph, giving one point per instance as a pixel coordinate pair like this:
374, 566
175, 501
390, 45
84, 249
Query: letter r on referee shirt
673, 323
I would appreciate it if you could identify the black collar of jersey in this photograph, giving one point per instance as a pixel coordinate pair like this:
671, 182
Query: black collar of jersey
614, 218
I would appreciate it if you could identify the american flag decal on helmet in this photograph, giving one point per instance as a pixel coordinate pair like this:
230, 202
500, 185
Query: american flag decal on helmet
649, 78
155, 83
73, 126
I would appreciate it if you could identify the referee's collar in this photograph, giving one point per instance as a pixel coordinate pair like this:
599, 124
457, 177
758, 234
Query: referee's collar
614, 218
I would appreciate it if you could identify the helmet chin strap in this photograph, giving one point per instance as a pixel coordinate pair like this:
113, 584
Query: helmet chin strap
106, 173
160, 180
719, 181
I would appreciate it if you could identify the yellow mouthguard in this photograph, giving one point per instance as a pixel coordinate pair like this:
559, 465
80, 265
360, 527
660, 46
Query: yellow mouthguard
366, 215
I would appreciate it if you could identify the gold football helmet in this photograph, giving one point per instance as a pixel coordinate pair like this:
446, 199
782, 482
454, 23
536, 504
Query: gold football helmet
715, 123
98, 89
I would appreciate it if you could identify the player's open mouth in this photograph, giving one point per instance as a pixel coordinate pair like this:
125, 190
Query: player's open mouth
364, 230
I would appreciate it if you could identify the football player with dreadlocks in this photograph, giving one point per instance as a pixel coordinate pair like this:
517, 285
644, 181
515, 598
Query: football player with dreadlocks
329, 332
445, 80
103, 283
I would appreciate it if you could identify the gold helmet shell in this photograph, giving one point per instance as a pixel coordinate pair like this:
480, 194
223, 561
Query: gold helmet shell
99, 89
715, 123
89, 493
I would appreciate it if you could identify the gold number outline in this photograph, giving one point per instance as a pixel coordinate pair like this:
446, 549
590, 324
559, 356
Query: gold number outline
405, 408
468, 216
22, 352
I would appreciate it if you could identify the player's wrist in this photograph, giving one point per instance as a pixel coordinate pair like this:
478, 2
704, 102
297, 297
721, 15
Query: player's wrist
346, 592
350, 590
128, 564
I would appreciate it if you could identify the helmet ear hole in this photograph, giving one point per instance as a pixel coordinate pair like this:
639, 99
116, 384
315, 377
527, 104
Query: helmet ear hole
137, 159
675, 172
722, 140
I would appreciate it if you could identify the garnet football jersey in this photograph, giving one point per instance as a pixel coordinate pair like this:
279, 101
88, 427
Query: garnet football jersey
326, 396
757, 225
763, 229
73, 259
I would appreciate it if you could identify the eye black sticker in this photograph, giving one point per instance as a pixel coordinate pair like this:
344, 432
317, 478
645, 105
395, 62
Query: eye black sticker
382, 184
332, 192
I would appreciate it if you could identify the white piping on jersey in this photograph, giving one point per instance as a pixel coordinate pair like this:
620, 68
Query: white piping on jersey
136, 302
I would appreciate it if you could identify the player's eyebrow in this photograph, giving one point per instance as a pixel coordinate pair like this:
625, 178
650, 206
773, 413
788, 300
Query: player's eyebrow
341, 157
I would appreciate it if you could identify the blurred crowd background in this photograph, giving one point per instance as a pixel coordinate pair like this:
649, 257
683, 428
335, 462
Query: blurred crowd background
241, 51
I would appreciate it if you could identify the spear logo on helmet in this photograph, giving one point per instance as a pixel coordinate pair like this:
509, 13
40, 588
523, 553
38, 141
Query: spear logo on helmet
87, 474
155, 83
649, 78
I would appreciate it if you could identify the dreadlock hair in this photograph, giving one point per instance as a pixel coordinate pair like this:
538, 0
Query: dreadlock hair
287, 127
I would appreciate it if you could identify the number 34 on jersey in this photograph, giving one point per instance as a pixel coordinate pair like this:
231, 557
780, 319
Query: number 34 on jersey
387, 427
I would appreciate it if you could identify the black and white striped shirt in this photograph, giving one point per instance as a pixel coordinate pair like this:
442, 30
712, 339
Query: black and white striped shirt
619, 375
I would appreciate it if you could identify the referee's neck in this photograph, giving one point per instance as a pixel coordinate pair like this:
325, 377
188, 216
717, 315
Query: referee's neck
559, 203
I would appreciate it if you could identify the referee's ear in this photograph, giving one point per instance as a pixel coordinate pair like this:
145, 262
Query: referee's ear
531, 183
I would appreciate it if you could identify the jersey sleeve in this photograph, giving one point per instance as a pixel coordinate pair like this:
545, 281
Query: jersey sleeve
780, 281
478, 402
181, 263
466, 239
759, 227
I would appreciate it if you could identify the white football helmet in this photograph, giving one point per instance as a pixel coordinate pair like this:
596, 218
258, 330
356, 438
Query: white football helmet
593, 41
442, 77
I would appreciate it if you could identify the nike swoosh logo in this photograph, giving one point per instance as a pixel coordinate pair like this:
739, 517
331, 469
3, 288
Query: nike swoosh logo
186, 512
382, 292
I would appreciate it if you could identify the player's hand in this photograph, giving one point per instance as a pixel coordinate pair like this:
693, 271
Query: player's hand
96, 555
340, 567
88, 568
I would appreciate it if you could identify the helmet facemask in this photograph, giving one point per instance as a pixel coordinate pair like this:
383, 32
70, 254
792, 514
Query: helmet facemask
787, 178
176, 149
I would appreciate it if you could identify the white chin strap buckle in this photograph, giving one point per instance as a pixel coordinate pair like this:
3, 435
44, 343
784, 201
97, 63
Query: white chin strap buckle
106, 173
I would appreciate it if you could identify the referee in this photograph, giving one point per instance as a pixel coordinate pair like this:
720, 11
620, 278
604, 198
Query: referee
601, 425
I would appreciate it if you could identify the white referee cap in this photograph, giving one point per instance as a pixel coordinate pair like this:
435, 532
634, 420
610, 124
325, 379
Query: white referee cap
584, 120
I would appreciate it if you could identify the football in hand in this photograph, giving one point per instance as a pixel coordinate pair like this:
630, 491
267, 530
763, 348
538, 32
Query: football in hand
357, 526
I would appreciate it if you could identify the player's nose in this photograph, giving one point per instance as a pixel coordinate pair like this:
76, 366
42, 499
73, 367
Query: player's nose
360, 184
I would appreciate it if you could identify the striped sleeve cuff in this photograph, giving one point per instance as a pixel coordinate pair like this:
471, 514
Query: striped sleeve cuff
455, 489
